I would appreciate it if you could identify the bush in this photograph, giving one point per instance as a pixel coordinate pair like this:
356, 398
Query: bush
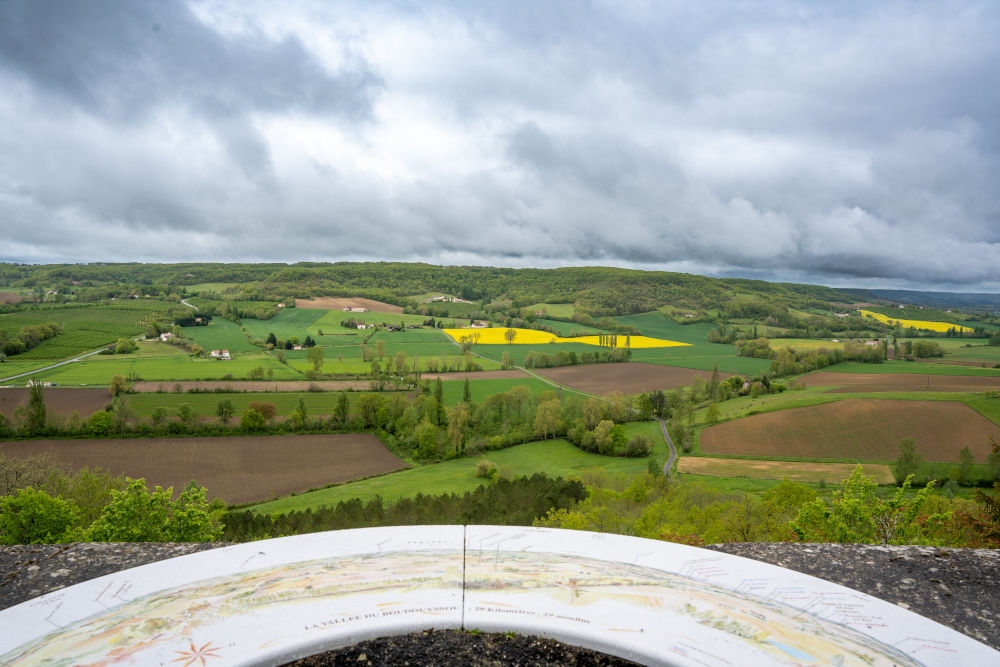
267, 410
35, 517
486, 469
638, 446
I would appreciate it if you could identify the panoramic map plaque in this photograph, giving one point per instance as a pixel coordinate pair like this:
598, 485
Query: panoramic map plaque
650, 601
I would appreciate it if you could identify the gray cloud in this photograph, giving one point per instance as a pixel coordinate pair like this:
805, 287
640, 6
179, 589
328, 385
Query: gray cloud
836, 143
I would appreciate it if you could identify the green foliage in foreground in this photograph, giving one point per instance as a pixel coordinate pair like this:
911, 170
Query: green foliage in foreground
41, 503
857, 515
696, 512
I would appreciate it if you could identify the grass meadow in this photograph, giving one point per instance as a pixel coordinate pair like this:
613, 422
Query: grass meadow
555, 458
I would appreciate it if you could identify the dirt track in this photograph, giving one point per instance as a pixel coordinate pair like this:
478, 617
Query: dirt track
236, 469
857, 430
338, 303
58, 400
630, 377
853, 382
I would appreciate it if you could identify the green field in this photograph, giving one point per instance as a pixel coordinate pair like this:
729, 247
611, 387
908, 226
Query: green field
807, 343
99, 369
220, 334
567, 328
657, 325
481, 389
84, 328
205, 404
287, 323
957, 349
913, 367
556, 458
563, 310
330, 320
9, 368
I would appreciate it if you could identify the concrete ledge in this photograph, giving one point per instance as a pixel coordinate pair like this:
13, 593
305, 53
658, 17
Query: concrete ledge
273, 601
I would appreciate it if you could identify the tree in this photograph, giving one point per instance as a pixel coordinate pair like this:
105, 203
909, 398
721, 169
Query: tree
439, 397
315, 357
36, 418
300, 413
991, 503
713, 384
458, 419
858, 515
713, 414
340, 409
268, 410
966, 459
100, 423
158, 417
136, 515
509, 335
380, 349
118, 385
909, 462
505, 362
272, 339
547, 418
252, 420
125, 346
466, 392
224, 410
35, 517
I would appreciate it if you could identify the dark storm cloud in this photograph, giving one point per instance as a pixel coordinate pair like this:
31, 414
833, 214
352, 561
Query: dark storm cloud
828, 142
120, 60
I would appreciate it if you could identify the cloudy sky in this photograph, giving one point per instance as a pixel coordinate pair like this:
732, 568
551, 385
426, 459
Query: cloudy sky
842, 143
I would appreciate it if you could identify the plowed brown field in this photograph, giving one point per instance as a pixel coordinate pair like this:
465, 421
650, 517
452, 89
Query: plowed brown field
10, 297
58, 400
856, 429
236, 469
337, 303
854, 382
630, 377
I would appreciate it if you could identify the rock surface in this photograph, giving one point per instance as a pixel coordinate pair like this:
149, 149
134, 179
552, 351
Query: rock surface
959, 588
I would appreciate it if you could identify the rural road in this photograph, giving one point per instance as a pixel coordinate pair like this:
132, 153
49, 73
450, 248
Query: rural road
670, 443
61, 363
189, 305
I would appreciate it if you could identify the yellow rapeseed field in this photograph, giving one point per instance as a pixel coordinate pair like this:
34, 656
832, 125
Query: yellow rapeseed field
915, 324
495, 336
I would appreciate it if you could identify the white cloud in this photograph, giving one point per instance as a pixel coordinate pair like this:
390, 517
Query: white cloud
846, 142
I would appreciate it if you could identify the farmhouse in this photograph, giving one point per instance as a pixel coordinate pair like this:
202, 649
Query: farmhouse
220, 354
362, 325
354, 309
296, 347
166, 336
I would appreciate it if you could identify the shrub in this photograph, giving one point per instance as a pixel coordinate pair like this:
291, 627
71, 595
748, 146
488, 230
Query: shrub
638, 446
35, 517
486, 469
